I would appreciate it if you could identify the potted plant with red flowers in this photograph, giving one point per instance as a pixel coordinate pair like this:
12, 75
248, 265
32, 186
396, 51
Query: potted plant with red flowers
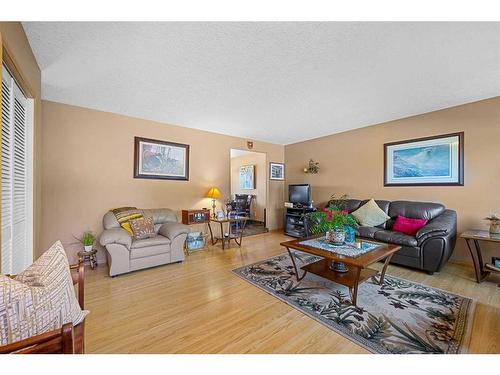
333, 223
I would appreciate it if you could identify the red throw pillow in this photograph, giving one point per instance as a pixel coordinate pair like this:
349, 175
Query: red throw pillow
408, 226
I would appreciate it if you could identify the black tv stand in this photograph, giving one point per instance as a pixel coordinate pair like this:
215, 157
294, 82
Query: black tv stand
294, 220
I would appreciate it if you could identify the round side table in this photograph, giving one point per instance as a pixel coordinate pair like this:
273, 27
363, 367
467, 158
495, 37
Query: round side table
90, 256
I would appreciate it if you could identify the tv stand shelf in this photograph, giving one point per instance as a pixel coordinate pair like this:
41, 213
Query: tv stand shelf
294, 220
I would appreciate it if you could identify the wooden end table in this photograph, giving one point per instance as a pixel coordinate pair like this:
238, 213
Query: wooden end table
237, 237
88, 255
472, 238
358, 270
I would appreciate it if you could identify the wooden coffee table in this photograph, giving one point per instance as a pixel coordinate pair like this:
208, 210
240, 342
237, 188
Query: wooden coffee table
358, 270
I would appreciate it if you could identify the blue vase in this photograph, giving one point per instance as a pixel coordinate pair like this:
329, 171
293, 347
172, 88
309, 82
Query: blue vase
350, 236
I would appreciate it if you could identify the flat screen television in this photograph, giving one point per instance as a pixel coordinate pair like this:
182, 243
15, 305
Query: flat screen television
299, 193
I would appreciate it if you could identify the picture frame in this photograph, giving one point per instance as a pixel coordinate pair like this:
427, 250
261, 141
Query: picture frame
247, 177
428, 161
276, 171
495, 261
160, 160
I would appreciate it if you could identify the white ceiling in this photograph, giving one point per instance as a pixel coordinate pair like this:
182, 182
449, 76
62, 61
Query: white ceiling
277, 82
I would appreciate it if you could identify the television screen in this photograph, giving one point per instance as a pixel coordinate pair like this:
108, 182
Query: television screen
299, 194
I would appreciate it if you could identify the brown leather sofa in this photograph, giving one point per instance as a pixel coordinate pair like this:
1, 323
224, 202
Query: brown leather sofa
430, 248
126, 254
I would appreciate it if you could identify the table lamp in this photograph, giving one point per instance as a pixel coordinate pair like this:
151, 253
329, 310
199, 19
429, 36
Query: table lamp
213, 193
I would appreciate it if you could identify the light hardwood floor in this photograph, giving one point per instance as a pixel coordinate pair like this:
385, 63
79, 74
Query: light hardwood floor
199, 306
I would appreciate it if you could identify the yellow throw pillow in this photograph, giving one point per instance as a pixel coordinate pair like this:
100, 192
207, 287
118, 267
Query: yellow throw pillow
370, 214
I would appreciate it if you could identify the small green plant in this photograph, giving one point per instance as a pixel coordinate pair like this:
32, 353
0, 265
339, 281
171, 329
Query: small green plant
87, 239
328, 220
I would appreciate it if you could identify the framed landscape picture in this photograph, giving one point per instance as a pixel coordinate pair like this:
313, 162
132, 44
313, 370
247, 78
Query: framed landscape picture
276, 171
163, 160
437, 161
247, 181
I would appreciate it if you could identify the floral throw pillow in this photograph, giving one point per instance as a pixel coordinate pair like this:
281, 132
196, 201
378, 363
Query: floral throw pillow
143, 228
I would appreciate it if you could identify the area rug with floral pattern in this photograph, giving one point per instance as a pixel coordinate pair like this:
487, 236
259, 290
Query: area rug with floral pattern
397, 317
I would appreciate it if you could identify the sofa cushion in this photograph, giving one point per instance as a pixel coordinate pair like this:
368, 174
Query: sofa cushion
370, 214
146, 252
160, 215
40, 299
147, 242
368, 232
352, 205
396, 238
415, 210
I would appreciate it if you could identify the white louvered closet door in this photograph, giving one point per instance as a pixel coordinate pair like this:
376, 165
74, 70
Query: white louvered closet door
17, 143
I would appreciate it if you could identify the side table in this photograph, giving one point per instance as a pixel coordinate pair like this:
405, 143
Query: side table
90, 256
472, 238
237, 237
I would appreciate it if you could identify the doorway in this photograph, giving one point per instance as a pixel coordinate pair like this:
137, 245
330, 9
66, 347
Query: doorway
249, 188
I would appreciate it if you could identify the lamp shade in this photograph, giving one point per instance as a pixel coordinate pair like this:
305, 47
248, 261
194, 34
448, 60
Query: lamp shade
213, 193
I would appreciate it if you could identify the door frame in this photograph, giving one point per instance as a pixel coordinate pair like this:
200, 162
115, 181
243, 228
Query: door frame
266, 161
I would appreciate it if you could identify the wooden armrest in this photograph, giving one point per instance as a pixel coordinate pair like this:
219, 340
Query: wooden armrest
79, 278
57, 341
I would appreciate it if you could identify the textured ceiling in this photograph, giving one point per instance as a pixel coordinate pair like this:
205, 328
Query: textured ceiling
277, 82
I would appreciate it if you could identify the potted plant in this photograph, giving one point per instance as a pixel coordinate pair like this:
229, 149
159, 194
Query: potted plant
494, 220
87, 241
333, 223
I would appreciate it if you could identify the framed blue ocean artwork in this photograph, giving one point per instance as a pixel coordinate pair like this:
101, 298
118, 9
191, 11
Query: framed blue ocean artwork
437, 160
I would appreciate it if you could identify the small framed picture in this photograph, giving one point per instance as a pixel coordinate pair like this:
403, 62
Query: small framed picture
247, 177
221, 215
495, 261
276, 171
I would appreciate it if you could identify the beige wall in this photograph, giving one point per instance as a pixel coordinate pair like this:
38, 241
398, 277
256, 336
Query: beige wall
258, 160
15, 42
88, 169
352, 162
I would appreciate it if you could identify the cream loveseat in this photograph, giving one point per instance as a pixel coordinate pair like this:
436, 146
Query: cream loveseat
126, 254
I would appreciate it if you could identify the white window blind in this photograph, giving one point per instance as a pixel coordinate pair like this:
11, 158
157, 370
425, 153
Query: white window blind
17, 160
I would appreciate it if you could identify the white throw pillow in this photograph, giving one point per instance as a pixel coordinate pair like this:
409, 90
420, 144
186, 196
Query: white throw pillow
370, 214
40, 299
